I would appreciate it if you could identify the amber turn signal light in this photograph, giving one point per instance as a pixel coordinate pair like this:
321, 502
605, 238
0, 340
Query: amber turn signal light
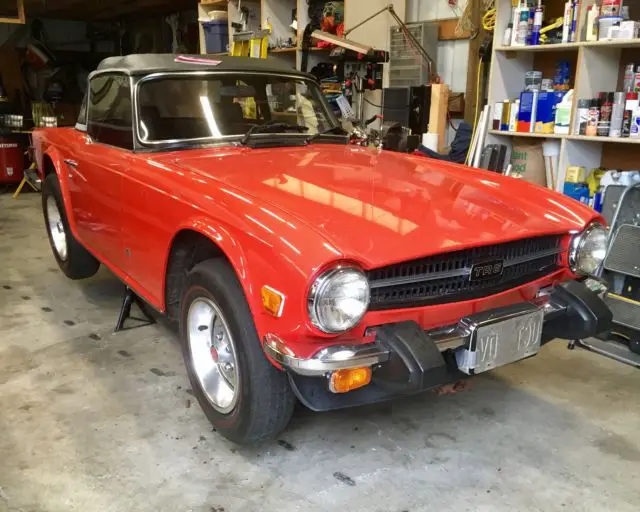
272, 300
342, 381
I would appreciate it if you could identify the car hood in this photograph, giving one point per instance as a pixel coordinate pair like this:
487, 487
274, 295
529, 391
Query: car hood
380, 207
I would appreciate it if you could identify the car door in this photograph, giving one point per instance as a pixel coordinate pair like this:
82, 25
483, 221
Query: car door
102, 156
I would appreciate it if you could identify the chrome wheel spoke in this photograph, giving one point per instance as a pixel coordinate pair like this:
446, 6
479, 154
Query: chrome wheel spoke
213, 355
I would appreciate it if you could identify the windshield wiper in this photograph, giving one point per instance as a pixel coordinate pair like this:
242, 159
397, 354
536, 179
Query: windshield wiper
338, 130
271, 128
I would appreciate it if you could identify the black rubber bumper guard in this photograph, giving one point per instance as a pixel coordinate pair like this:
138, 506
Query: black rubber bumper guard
417, 363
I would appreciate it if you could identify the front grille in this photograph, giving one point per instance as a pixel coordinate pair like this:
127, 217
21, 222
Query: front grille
623, 254
446, 277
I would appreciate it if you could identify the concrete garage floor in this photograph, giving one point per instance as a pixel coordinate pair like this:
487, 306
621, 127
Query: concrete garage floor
92, 421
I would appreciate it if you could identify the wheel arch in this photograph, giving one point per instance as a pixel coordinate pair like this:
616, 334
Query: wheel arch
192, 244
52, 163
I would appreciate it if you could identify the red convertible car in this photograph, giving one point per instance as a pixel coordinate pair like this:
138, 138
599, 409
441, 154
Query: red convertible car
225, 194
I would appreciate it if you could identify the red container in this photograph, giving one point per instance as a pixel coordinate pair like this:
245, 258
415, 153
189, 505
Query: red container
11, 161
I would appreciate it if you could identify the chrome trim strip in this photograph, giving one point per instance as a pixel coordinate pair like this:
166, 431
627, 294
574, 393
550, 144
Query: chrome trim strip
452, 337
422, 278
338, 357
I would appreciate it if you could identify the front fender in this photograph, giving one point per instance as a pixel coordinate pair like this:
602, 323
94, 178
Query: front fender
58, 165
260, 261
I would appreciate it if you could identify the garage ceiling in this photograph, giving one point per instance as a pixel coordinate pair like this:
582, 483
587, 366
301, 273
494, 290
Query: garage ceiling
97, 10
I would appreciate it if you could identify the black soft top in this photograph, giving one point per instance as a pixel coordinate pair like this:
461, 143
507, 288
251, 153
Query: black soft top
146, 63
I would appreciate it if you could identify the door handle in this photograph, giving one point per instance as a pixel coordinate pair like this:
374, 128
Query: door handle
71, 163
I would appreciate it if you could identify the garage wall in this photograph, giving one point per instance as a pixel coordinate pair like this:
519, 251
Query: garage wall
453, 56
62, 35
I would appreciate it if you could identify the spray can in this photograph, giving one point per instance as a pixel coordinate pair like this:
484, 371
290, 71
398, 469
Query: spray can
630, 104
629, 77
606, 106
574, 22
566, 24
594, 117
636, 80
582, 117
537, 24
617, 114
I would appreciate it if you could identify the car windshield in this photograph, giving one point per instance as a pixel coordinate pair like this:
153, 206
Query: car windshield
196, 108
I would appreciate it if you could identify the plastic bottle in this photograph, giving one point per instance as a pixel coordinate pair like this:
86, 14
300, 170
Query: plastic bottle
523, 26
537, 24
514, 25
592, 23
630, 104
629, 77
563, 114
635, 123
506, 38
617, 114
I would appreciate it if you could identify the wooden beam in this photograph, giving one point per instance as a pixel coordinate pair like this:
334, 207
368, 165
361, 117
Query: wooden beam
20, 19
472, 69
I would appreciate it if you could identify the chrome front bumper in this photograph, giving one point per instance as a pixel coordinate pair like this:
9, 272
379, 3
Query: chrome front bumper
453, 337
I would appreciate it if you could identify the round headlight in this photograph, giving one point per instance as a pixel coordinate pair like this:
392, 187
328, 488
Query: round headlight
338, 299
588, 250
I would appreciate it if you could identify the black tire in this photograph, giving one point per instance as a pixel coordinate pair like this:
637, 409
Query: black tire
265, 402
79, 263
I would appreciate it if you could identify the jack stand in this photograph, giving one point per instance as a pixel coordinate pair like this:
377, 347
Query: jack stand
128, 300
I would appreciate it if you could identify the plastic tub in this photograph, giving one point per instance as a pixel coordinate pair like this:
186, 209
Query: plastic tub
216, 35
605, 23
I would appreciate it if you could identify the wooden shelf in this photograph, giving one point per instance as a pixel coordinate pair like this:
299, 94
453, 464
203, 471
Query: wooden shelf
527, 134
540, 48
615, 43
615, 140
291, 49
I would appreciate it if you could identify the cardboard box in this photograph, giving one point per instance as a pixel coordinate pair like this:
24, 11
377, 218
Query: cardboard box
527, 112
546, 111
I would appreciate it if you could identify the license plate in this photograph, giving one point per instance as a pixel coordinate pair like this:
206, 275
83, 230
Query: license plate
501, 342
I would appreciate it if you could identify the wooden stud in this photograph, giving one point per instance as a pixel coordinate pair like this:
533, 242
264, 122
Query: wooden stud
438, 113
472, 69
20, 19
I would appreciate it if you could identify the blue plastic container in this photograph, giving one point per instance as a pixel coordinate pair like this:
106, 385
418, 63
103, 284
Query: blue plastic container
216, 35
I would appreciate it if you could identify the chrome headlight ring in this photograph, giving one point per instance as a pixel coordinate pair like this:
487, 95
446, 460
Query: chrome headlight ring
594, 240
338, 299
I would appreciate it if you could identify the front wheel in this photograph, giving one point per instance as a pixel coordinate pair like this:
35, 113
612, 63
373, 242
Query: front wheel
73, 259
245, 397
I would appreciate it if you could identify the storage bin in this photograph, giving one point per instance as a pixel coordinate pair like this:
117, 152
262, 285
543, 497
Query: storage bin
216, 35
